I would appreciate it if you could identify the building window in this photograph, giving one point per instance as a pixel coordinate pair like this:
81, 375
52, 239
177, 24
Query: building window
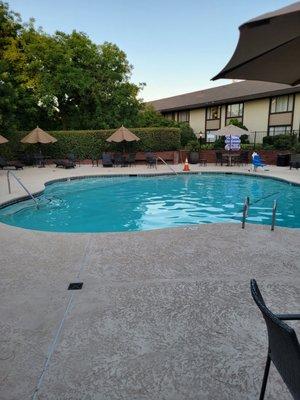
168, 116
234, 110
184, 116
280, 130
211, 136
281, 104
213, 112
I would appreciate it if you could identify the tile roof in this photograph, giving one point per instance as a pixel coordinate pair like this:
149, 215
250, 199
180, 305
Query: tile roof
237, 91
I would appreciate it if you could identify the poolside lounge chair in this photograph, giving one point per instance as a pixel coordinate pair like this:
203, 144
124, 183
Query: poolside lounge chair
150, 160
64, 164
8, 164
257, 162
284, 348
106, 160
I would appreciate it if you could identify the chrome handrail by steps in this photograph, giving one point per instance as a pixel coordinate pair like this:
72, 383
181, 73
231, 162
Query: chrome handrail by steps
21, 184
172, 169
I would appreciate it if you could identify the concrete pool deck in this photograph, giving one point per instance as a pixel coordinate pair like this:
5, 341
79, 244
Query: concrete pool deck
163, 314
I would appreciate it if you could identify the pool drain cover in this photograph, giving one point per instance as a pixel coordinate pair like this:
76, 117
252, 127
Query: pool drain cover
75, 286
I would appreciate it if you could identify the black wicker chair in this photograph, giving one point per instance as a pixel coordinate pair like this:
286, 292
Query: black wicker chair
284, 348
219, 157
151, 160
131, 159
106, 160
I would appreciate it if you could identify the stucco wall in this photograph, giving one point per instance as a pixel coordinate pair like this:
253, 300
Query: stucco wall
256, 115
223, 115
296, 121
197, 120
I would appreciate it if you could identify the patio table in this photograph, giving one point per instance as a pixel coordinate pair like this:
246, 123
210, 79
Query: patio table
230, 157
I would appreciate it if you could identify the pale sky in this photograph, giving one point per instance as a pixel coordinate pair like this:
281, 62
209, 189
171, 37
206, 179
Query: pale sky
175, 46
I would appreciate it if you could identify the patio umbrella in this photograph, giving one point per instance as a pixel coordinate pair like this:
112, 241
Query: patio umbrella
38, 136
3, 139
232, 134
268, 48
123, 135
231, 130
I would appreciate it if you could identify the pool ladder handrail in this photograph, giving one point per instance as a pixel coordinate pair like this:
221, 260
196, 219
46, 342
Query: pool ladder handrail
274, 215
9, 172
172, 169
246, 209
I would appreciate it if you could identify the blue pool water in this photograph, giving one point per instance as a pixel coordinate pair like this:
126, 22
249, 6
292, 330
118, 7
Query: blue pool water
118, 204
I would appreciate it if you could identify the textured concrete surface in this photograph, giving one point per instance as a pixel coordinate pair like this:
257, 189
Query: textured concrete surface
34, 178
164, 315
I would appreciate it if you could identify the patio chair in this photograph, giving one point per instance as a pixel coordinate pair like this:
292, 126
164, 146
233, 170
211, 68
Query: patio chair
244, 157
39, 160
106, 160
119, 160
295, 161
219, 157
27, 159
150, 160
131, 159
72, 157
284, 348
8, 164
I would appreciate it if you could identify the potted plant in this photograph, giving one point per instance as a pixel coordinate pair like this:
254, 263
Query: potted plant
193, 148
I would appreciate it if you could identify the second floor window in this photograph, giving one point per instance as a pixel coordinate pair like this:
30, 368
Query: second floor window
213, 112
235, 110
183, 116
281, 104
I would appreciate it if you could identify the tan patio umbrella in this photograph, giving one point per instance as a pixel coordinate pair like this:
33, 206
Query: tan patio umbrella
122, 135
231, 130
268, 48
3, 139
38, 136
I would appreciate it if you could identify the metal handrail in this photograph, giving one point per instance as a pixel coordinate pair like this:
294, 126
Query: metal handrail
245, 211
274, 215
172, 169
21, 184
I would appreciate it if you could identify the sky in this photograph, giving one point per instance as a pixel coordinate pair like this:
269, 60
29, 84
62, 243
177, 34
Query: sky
174, 46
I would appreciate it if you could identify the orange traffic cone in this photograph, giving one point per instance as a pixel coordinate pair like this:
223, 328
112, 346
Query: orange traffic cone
186, 167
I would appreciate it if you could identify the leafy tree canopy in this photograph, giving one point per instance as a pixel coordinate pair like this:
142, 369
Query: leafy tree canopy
62, 81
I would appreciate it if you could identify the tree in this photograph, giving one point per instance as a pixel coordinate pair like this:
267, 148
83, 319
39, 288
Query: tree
65, 80
148, 116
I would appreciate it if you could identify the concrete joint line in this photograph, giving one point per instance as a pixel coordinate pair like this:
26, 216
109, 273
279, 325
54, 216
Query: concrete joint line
83, 263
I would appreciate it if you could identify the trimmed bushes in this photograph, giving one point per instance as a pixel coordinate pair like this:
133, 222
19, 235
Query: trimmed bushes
279, 142
90, 143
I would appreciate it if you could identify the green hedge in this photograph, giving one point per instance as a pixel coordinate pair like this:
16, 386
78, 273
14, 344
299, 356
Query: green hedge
91, 143
279, 142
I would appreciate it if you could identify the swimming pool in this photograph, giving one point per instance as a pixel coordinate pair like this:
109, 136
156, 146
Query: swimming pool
133, 203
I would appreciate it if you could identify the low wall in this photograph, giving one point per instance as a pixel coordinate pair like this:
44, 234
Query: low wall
175, 157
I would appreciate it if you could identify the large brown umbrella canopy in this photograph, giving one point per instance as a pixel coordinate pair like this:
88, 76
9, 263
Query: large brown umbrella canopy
231, 130
268, 48
3, 139
122, 135
38, 136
